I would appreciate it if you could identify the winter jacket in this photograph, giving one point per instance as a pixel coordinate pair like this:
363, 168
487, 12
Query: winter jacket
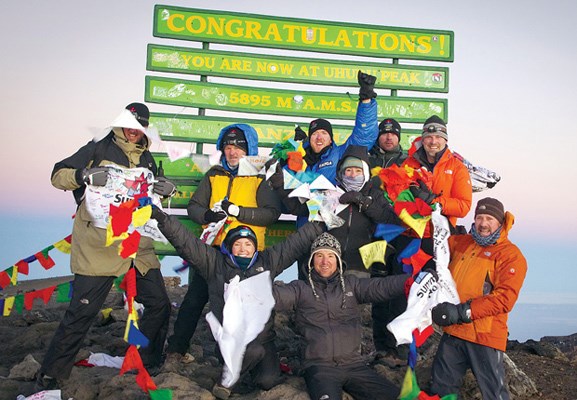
381, 158
491, 277
451, 181
259, 205
364, 134
331, 331
218, 268
359, 226
89, 255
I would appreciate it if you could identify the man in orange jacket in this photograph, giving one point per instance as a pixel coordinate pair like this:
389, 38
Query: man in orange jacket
488, 271
451, 189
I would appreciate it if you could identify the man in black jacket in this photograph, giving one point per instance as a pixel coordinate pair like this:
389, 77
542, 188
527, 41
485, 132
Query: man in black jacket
387, 151
328, 316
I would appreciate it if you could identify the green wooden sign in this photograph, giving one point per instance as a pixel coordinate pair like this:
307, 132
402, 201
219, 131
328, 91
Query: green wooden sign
275, 233
205, 129
284, 102
293, 69
301, 34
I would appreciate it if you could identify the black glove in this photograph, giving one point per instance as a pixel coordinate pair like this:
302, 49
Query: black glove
97, 176
423, 192
276, 180
446, 314
158, 214
163, 187
211, 216
367, 84
300, 135
356, 198
230, 208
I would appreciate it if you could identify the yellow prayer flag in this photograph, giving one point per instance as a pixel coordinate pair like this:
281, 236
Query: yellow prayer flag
373, 252
8, 304
110, 238
14, 277
416, 224
63, 246
141, 216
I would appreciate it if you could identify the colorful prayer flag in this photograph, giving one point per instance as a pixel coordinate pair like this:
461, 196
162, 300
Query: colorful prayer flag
373, 252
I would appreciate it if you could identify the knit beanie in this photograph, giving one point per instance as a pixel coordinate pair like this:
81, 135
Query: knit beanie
240, 232
390, 125
235, 137
140, 112
351, 162
492, 207
320, 123
326, 241
434, 125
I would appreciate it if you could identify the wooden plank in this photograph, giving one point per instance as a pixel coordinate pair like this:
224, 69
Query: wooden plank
284, 102
205, 129
294, 69
301, 34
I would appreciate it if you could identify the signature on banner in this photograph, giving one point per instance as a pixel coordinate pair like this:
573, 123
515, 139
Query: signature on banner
123, 184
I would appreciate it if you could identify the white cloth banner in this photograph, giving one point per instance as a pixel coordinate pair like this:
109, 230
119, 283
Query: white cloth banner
427, 293
247, 308
122, 185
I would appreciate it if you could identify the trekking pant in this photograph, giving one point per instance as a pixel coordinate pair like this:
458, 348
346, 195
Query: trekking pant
360, 381
261, 361
454, 356
189, 313
89, 294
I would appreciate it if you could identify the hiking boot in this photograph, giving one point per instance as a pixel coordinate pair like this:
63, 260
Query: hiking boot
389, 359
45, 382
172, 362
220, 392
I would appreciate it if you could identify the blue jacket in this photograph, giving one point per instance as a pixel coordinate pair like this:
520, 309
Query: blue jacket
364, 133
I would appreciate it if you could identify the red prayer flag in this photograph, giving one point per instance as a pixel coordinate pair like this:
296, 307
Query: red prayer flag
44, 259
4, 279
23, 267
421, 337
120, 219
129, 246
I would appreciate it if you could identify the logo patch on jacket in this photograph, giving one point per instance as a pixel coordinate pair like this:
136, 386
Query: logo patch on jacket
512, 271
449, 171
325, 164
349, 294
260, 269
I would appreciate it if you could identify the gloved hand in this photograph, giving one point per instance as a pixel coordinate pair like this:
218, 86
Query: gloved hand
367, 84
446, 313
356, 198
158, 214
230, 208
276, 181
300, 135
163, 187
211, 216
423, 192
97, 176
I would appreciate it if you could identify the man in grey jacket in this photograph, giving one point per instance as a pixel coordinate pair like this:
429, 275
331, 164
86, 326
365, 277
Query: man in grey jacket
328, 315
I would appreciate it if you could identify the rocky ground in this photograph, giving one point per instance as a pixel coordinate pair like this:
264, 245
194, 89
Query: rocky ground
536, 370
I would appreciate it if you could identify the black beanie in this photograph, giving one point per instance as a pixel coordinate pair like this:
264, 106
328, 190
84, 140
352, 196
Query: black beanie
240, 232
235, 137
390, 125
492, 207
140, 112
320, 123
